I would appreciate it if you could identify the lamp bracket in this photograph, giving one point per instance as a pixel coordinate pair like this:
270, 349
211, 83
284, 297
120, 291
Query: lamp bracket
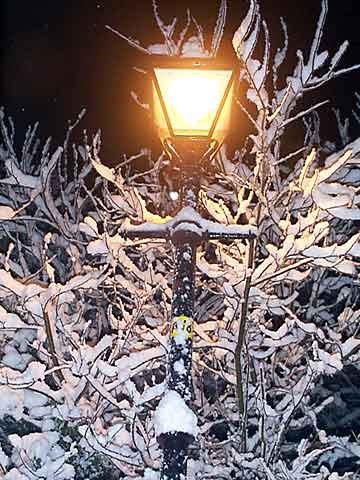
190, 225
190, 151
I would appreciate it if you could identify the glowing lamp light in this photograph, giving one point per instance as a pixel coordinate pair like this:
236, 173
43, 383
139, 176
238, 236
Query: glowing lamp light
192, 101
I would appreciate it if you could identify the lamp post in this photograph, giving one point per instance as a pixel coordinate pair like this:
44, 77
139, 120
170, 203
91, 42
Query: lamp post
191, 107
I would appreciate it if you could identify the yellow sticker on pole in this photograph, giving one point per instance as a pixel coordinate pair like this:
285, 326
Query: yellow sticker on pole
182, 325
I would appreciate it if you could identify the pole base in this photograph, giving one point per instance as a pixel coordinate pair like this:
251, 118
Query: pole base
174, 446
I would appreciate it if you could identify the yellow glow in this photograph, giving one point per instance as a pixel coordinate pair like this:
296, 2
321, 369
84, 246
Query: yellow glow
192, 98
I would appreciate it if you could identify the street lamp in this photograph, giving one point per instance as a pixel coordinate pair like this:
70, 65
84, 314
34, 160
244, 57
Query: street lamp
191, 108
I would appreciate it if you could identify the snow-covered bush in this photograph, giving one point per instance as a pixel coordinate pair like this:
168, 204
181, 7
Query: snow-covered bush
84, 312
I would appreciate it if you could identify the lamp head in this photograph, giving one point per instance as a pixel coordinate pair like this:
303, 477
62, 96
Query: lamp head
192, 101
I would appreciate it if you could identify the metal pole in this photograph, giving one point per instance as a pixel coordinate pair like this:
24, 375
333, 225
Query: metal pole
182, 313
175, 444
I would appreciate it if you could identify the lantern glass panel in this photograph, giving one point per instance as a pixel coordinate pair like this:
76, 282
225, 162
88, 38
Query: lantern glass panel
192, 99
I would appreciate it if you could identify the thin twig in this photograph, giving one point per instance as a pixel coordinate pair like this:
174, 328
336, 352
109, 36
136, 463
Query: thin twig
240, 340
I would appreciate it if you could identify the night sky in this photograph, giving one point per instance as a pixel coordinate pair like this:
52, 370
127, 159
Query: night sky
57, 57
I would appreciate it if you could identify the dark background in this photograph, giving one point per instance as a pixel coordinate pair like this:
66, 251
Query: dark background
57, 57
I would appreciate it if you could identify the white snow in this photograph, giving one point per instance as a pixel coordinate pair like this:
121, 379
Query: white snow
3, 458
192, 48
350, 345
41, 449
241, 46
325, 363
150, 474
194, 222
179, 367
173, 415
12, 402
151, 393
6, 212
187, 256
174, 196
